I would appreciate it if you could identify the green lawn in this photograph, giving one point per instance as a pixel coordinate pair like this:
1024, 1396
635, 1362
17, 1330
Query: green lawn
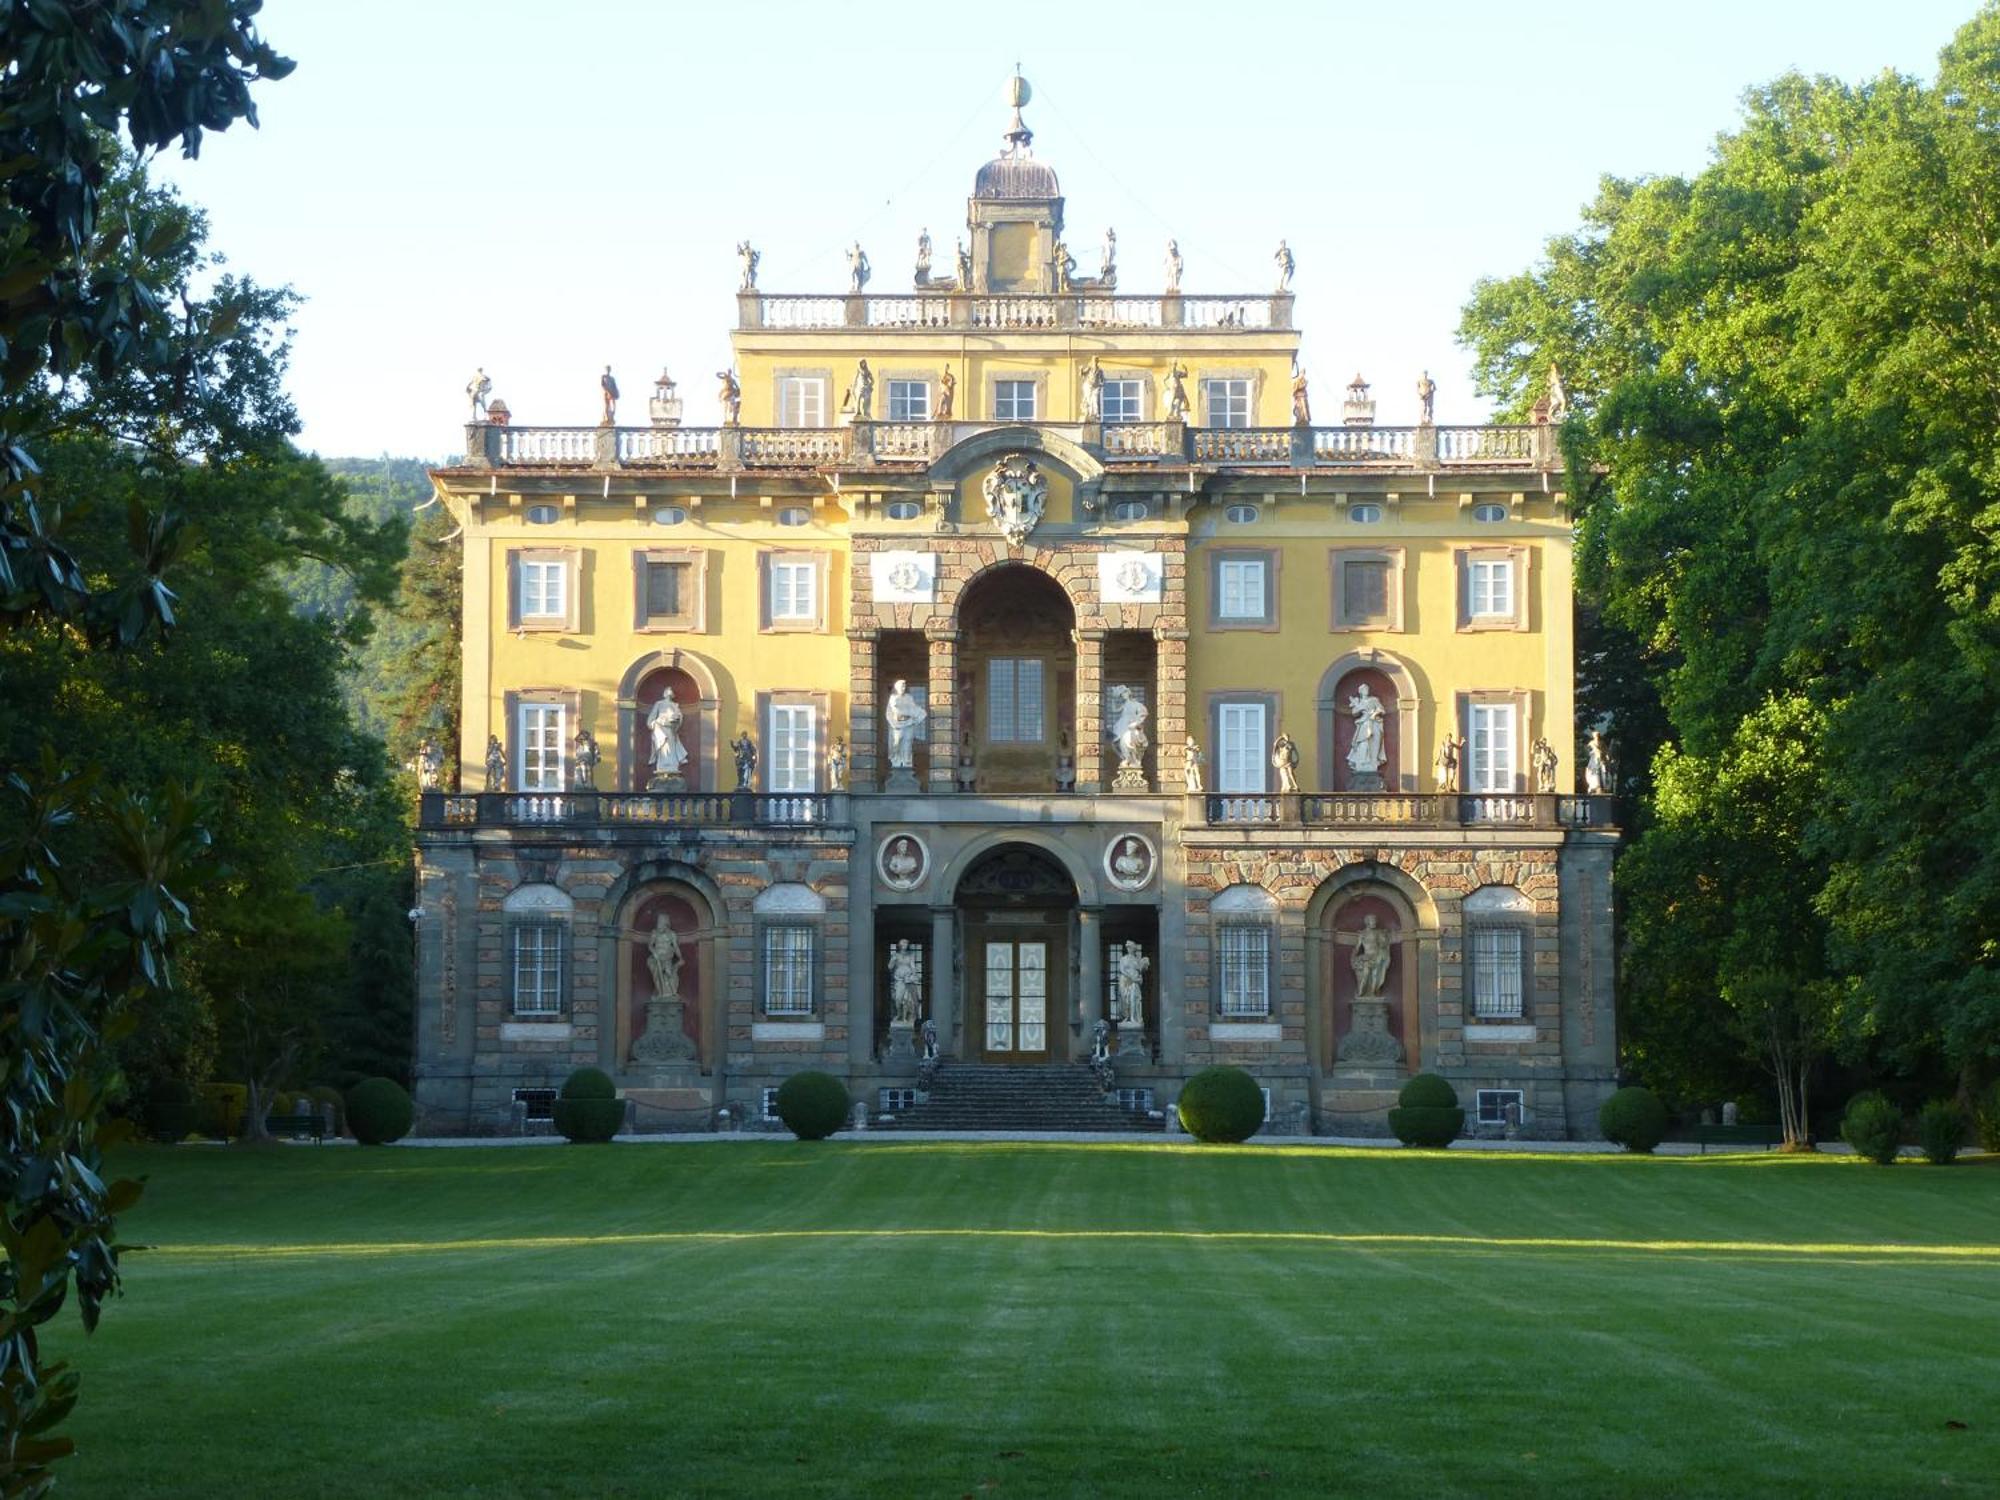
741, 1319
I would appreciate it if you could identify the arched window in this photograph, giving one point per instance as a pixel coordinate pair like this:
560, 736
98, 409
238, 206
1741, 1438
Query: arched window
788, 920
538, 919
1498, 919
1244, 918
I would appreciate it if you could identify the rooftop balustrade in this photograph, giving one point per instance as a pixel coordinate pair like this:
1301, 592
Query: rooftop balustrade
1015, 311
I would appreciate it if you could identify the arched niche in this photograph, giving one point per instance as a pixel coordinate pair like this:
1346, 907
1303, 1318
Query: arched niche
1012, 617
1337, 912
692, 680
696, 913
1390, 679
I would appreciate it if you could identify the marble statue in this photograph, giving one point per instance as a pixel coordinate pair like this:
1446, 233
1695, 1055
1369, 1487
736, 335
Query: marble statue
1177, 396
928, 1034
663, 959
608, 388
1173, 267
1191, 763
1093, 391
583, 761
1302, 410
745, 750
1365, 753
965, 773
1557, 398
947, 393
836, 767
477, 390
1451, 750
747, 258
1543, 759
1065, 264
1285, 761
1128, 733
1129, 985
857, 268
1065, 764
923, 256
860, 399
496, 764
906, 983
964, 268
1130, 862
1370, 960
729, 397
1426, 399
1600, 772
1109, 268
902, 862
901, 716
430, 766
663, 723
1286, 265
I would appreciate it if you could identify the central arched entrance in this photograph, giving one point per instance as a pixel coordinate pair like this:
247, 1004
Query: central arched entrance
1018, 905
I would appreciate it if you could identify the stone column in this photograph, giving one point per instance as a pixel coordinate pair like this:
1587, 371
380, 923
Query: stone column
944, 989
1088, 1006
864, 713
943, 705
1090, 709
1170, 720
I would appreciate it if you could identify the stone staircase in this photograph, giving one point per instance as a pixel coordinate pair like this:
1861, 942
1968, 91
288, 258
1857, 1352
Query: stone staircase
988, 1096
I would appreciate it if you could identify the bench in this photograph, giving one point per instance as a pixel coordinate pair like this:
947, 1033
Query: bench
298, 1126
1763, 1136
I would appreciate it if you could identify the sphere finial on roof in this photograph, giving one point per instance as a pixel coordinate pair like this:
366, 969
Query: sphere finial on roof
1019, 136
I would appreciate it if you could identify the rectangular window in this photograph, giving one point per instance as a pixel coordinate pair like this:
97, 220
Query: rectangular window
1240, 753
793, 591
666, 587
1124, 401
1240, 588
1014, 400
1014, 701
1496, 973
1490, 584
541, 741
793, 765
544, 590
1501, 1106
536, 1104
1228, 403
538, 968
1245, 952
802, 401
909, 401
1492, 747
1365, 590
788, 961
767, 1104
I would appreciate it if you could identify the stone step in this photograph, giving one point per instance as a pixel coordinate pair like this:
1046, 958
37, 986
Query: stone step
989, 1096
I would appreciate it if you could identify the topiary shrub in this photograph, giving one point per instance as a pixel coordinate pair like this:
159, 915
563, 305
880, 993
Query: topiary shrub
221, 1107
588, 1110
1941, 1131
1873, 1127
1633, 1118
332, 1107
1987, 1118
1427, 1113
379, 1110
813, 1105
1221, 1106
171, 1113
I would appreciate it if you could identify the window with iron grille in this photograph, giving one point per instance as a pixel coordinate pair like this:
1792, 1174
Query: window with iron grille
1494, 1104
1244, 952
538, 967
1014, 700
894, 1101
767, 1105
1135, 1101
788, 964
1496, 972
536, 1104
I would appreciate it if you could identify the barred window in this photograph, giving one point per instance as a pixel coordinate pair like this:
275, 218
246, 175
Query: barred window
1245, 950
788, 963
1496, 972
538, 967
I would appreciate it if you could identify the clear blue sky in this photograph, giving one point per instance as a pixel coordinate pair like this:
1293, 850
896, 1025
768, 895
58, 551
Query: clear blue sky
545, 188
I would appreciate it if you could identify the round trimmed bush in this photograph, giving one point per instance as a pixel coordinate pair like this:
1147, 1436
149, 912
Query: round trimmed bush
171, 1113
379, 1110
1633, 1118
1873, 1127
1427, 1113
1221, 1106
1941, 1131
589, 1110
813, 1105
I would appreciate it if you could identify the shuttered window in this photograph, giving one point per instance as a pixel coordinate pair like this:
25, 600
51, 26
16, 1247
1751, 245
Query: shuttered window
1241, 756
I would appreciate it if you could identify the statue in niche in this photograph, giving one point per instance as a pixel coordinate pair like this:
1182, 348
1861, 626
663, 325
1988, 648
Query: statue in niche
1173, 267
1285, 761
906, 983
665, 1039
747, 259
1543, 759
1093, 391
1128, 719
947, 393
1451, 751
857, 268
608, 388
745, 750
1426, 399
663, 959
1191, 763
1370, 959
1177, 396
1109, 272
836, 767
583, 760
496, 764
477, 390
923, 256
663, 723
1129, 985
430, 765
1365, 754
1600, 771
1286, 265
729, 397
902, 716
860, 399
1302, 408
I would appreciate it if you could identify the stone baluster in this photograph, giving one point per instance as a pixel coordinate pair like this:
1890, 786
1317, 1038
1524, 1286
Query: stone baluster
943, 705
1089, 709
864, 708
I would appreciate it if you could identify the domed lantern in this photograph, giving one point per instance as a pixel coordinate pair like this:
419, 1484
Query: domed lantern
665, 407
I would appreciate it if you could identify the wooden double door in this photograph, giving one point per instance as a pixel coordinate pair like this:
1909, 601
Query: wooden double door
1018, 963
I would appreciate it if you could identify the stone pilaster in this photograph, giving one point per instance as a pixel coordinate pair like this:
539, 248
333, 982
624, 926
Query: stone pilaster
1089, 709
943, 704
944, 982
863, 711
1170, 722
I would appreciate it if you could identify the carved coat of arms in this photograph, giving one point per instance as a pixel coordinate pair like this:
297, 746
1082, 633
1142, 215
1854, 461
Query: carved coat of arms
1015, 494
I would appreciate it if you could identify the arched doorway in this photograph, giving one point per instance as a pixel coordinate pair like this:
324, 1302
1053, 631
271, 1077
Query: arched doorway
1017, 679
1018, 905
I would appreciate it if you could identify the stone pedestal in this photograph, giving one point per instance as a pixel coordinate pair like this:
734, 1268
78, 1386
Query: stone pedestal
1132, 1042
1364, 781
1369, 1043
666, 781
903, 780
1356, 1100
1130, 779
902, 1048
663, 1042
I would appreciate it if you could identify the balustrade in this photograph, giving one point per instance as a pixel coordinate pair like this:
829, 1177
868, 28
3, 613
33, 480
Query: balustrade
794, 445
1243, 445
919, 440
1486, 444
1083, 308
1353, 445
1140, 440
684, 809
697, 447
548, 445
1412, 810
